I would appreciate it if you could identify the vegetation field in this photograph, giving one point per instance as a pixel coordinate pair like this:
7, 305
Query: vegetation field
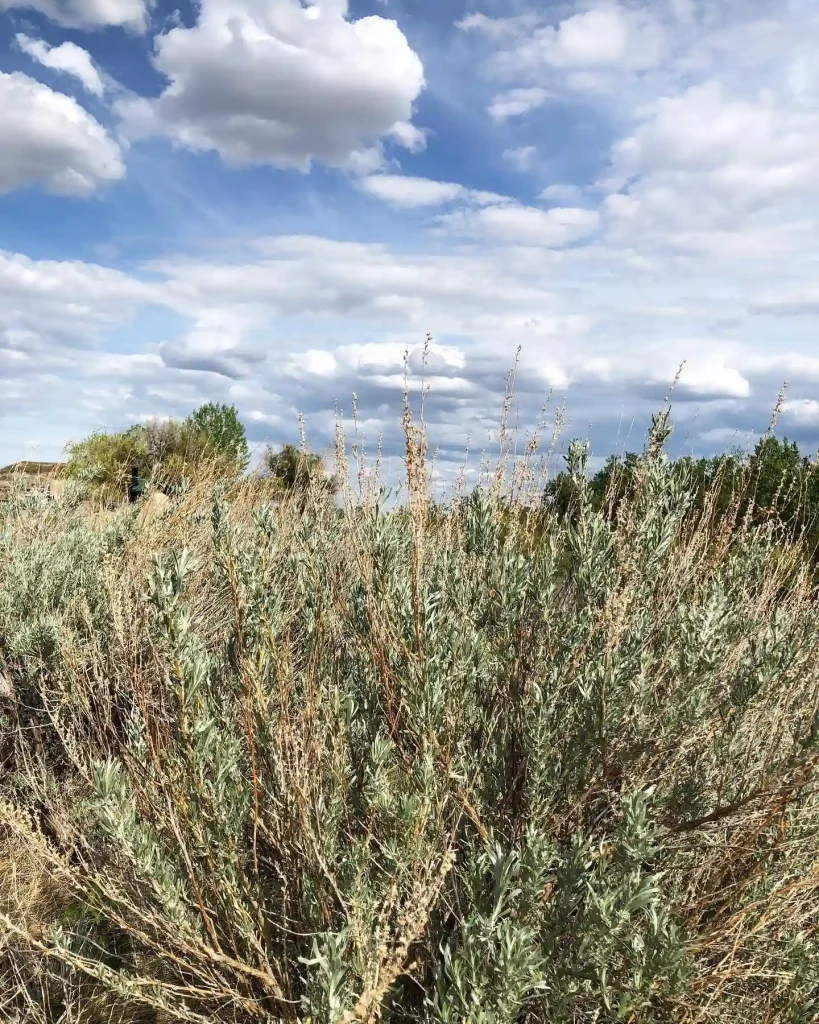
41, 476
493, 760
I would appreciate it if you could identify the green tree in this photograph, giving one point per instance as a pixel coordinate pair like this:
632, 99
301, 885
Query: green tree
224, 431
614, 481
103, 462
779, 478
776, 484
166, 452
294, 469
785, 489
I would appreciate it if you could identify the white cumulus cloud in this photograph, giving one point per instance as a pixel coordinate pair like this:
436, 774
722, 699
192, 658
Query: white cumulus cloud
275, 81
403, 190
563, 194
515, 224
67, 57
522, 157
607, 35
406, 191
712, 172
131, 14
48, 138
515, 102
599, 36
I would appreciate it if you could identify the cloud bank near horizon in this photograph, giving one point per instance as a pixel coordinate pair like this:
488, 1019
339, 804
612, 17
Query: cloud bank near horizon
270, 203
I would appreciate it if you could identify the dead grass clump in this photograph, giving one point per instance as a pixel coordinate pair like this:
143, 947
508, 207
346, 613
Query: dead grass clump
310, 760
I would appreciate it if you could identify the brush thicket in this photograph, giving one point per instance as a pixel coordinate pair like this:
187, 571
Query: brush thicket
325, 760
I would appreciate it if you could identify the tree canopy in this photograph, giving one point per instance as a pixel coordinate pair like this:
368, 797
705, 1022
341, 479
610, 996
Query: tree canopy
774, 483
210, 441
224, 431
297, 470
168, 452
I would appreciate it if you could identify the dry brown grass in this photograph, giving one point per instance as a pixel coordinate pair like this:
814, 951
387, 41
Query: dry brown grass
475, 763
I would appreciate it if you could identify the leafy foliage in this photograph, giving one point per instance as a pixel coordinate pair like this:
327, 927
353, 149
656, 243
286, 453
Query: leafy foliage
775, 484
103, 461
225, 434
293, 469
167, 452
302, 763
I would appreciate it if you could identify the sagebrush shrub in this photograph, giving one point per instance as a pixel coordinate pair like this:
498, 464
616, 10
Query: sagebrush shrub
475, 763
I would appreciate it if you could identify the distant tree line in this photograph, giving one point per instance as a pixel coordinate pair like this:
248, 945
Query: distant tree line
211, 442
774, 483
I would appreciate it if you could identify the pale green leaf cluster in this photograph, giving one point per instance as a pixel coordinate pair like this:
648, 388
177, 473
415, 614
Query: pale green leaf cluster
474, 764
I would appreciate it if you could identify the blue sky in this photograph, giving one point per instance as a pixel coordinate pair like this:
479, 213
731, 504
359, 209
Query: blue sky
268, 202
